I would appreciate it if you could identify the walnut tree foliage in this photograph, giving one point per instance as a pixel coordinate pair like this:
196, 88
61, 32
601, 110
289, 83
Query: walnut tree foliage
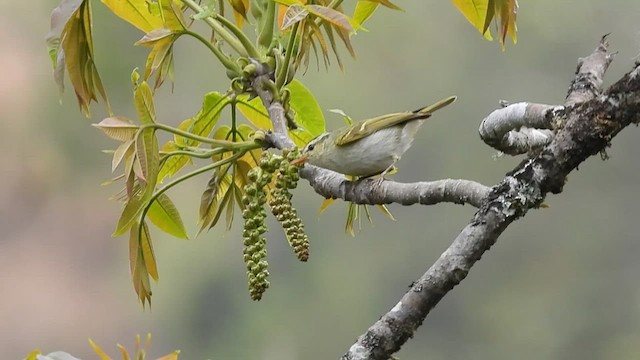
243, 175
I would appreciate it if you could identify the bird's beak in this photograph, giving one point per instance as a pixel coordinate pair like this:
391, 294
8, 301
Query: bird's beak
301, 160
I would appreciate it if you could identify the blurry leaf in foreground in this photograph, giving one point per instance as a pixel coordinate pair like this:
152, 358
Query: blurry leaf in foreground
480, 13
70, 44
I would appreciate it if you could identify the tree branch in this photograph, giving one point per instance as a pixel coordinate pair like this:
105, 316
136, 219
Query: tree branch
589, 127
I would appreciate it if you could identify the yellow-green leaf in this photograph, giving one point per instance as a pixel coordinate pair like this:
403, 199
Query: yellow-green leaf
101, 354
218, 203
363, 11
147, 252
33, 355
386, 3
325, 204
172, 356
143, 99
254, 111
173, 163
136, 12
123, 352
164, 214
147, 153
125, 149
240, 10
118, 128
308, 112
130, 213
71, 45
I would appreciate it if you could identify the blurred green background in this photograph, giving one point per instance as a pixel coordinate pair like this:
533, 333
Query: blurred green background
561, 283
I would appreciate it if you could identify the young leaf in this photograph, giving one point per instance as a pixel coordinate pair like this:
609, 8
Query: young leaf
70, 43
160, 58
172, 356
118, 128
101, 354
164, 214
147, 143
130, 213
125, 149
214, 210
143, 99
332, 16
147, 154
147, 252
294, 13
240, 10
139, 272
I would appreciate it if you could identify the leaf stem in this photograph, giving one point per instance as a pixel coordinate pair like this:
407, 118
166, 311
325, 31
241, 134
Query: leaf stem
266, 33
227, 145
283, 73
224, 58
219, 29
244, 40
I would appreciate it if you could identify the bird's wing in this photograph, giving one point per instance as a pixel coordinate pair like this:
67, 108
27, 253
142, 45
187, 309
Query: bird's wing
367, 127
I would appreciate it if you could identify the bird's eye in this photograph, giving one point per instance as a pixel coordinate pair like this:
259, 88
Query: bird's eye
310, 147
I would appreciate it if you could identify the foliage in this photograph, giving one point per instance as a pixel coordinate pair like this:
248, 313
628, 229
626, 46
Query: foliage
140, 353
288, 32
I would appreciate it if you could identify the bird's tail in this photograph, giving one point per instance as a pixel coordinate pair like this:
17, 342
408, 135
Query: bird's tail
437, 106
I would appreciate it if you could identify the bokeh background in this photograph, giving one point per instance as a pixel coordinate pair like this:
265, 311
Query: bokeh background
561, 283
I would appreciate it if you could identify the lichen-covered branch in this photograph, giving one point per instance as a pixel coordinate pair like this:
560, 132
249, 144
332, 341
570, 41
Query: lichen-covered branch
525, 127
519, 128
588, 130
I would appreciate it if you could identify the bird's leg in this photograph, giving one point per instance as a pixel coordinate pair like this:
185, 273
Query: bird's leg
391, 167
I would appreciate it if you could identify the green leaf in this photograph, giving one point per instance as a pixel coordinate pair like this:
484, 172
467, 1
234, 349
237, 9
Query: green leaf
254, 111
308, 113
130, 213
147, 143
143, 99
164, 214
147, 153
160, 58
